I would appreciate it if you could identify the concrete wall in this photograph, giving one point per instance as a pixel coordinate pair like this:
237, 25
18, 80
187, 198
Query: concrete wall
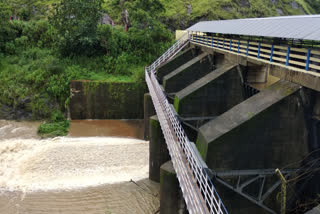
105, 100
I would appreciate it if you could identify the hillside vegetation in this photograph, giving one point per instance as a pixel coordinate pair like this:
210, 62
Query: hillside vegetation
49, 43
46, 46
180, 14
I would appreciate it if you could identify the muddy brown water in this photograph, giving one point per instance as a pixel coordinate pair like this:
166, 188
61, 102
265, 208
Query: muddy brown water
114, 128
76, 174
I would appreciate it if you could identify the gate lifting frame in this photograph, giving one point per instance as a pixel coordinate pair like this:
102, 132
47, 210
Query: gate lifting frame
198, 191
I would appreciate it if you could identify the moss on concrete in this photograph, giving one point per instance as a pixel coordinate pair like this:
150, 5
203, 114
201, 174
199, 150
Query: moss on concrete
176, 104
202, 146
106, 100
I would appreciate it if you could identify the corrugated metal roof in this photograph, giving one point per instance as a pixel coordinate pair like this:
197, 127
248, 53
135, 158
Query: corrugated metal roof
289, 27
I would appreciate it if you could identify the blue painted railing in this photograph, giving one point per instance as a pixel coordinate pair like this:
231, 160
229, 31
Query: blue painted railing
297, 58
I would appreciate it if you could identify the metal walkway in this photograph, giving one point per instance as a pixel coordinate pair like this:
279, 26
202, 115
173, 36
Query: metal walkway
198, 191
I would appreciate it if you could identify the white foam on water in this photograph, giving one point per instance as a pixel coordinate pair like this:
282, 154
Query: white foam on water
73, 175
64, 163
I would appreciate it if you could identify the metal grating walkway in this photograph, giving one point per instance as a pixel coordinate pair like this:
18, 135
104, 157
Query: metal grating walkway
198, 191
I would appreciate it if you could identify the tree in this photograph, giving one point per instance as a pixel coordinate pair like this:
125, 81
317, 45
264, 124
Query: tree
147, 29
145, 13
315, 4
76, 22
5, 13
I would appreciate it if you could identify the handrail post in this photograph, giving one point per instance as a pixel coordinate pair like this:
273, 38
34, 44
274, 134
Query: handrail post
239, 46
259, 50
288, 56
308, 60
230, 44
271, 54
207, 40
197, 39
211, 41
223, 42
217, 42
248, 48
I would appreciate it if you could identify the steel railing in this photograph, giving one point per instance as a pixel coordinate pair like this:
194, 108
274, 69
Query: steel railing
170, 53
198, 191
301, 59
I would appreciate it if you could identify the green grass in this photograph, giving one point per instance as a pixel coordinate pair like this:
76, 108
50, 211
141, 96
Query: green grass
56, 126
54, 129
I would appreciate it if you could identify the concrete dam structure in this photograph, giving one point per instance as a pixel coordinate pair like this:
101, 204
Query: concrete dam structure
229, 103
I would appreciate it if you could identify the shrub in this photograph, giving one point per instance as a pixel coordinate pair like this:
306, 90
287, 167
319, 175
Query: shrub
57, 126
76, 22
22, 42
10, 48
53, 129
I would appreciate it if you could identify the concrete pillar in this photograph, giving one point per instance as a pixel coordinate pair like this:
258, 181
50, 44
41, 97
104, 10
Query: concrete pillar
148, 112
171, 199
183, 57
212, 95
188, 73
158, 152
266, 131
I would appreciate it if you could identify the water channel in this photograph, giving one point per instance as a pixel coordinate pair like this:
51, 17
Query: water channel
78, 173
